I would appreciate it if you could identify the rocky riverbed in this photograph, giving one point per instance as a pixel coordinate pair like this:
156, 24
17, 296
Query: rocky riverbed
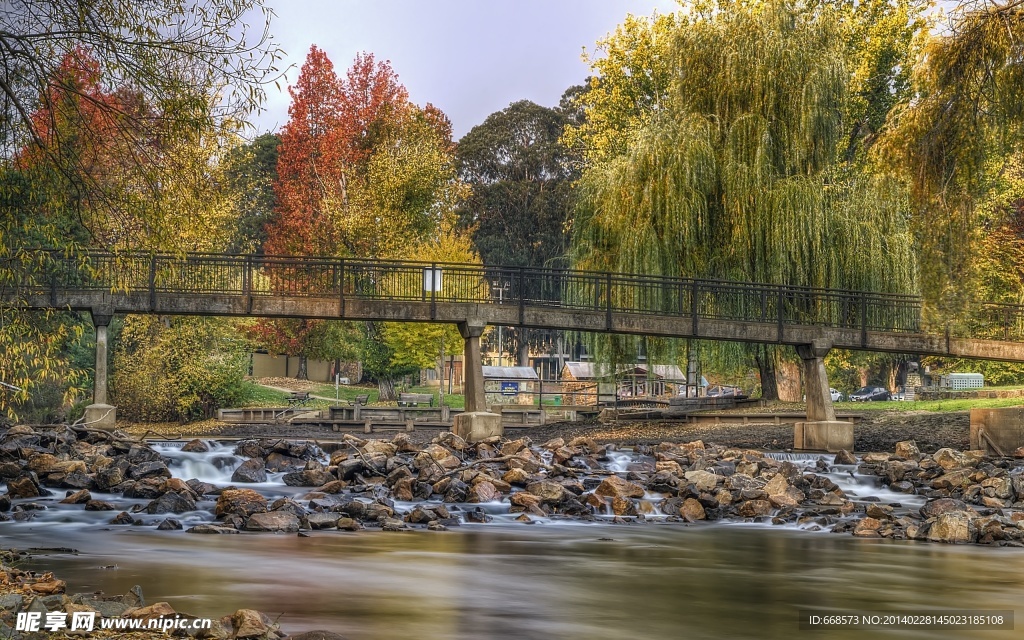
948, 495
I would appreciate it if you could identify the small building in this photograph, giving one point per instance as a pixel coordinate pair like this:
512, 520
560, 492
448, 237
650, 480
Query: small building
957, 381
510, 385
588, 383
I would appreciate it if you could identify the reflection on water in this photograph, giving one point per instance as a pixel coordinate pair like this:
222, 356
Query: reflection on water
584, 581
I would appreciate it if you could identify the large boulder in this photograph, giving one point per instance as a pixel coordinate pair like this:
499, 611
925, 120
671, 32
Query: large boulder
953, 527
250, 471
951, 459
276, 521
691, 510
171, 502
549, 492
703, 480
616, 487
241, 502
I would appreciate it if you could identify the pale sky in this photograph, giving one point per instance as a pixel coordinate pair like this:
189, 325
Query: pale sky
468, 57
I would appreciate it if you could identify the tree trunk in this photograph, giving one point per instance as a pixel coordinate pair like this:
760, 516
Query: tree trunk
766, 368
303, 373
386, 389
524, 348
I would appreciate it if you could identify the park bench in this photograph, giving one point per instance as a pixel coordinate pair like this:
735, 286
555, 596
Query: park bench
361, 400
415, 399
297, 398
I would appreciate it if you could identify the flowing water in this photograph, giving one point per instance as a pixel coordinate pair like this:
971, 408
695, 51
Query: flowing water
552, 579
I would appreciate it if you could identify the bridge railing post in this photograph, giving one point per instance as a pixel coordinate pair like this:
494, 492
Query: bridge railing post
863, 320
152, 282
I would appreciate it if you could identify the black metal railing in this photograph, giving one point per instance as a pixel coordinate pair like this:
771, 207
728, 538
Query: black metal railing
610, 293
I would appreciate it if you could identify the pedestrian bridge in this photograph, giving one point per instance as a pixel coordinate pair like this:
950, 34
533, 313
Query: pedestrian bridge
473, 296
331, 288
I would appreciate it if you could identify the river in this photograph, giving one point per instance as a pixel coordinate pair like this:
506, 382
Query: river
545, 580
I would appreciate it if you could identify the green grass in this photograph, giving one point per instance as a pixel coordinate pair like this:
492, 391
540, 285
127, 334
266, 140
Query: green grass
958, 404
348, 393
259, 396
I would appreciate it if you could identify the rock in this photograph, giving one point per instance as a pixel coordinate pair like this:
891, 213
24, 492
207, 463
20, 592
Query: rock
950, 459
867, 528
277, 462
879, 512
1018, 452
436, 455
524, 500
275, 521
211, 529
169, 524
99, 505
549, 492
953, 527
152, 612
243, 502
123, 518
322, 520
77, 497
5, 503
149, 469
46, 584
250, 471
692, 510
307, 478
616, 487
249, 449
703, 480
248, 623
195, 446
791, 497
393, 524
316, 635
903, 486
754, 508
349, 524
483, 492
25, 486
908, 450
517, 477
776, 485
953, 479
171, 502
1001, 488
623, 506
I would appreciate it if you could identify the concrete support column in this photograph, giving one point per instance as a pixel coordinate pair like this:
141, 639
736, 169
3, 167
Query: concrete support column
473, 374
99, 394
475, 423
819, 398
99, 414
821, 431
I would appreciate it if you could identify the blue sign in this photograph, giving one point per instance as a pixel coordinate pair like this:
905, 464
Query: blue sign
509, 388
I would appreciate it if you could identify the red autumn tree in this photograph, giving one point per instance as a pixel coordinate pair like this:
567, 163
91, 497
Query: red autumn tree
311, 164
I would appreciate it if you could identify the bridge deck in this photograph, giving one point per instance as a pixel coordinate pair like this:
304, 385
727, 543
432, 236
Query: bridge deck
289, 287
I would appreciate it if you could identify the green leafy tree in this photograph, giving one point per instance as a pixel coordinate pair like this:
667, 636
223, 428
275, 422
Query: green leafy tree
93, 95
251, 171
177, 369
733, 174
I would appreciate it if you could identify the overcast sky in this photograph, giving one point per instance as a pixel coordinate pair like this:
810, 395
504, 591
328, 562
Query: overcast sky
468, 57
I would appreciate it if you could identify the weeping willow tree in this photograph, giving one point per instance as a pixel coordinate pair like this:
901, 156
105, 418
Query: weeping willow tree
740, 174
953, 144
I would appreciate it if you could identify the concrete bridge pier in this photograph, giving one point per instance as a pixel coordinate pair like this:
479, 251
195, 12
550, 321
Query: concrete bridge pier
99, 414
476, 422
821, 431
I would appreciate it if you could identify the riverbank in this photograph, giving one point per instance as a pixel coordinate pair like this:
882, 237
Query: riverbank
877, 431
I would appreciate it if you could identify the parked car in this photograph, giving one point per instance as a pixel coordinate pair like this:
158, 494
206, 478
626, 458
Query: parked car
837, 396
870, 394
724, 391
